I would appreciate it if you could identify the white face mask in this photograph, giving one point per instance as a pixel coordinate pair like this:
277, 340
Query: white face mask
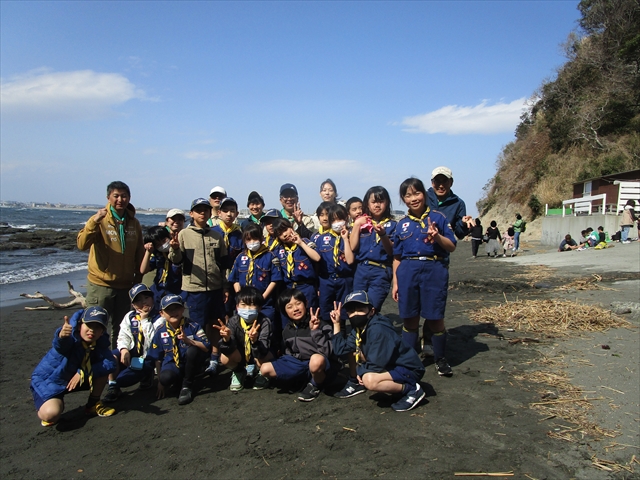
248, 314
165, 247
338, 226
253, 246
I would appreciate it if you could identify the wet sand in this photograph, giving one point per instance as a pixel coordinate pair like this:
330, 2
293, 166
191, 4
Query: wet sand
477, 421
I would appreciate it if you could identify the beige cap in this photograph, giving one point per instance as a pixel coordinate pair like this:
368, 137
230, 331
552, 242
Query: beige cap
175, 211
441, 171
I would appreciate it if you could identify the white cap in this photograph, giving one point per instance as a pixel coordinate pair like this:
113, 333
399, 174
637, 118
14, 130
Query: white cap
218, 189
175, 211
441, 171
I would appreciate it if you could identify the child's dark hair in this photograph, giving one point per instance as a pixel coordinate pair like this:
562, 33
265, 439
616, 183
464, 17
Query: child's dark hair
118, 186
518, 216
155, 234
280, 225
478, 222
250, 296
493, 224
511, 232
324, 206
601, 228
337, 212
583, 232
333, 185
379, 194
286, 296
351, 201
414, 182
252, 232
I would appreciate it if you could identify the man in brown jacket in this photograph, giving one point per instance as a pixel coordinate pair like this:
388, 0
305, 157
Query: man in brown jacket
113, 237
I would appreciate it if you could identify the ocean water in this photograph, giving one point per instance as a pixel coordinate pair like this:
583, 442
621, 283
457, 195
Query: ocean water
27, 271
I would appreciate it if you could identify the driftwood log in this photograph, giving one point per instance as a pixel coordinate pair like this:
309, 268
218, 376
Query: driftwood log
77, 300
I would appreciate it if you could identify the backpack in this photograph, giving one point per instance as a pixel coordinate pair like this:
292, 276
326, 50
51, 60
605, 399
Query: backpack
523, 227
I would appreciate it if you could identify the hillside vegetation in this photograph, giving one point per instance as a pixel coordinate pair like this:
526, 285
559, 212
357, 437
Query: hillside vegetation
582, 124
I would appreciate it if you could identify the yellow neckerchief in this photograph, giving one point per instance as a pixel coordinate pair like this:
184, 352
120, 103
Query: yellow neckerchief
381, 222
228, 231
359, 355
290, 262
173, 334
252, 258
273, 244
336, 247
247, 342
140, 339
324, 229
165, 272
421, 219
85, 366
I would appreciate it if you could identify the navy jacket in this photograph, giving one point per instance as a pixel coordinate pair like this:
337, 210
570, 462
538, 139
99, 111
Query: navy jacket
453, 208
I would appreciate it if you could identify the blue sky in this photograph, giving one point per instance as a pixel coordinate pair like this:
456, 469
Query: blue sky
176, 97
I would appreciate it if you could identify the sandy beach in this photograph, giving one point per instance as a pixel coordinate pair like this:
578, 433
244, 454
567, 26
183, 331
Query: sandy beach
480, 420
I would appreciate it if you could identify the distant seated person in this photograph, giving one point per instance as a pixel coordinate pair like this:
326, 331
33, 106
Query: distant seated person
593, 238
602, 236
568, 244
583, 238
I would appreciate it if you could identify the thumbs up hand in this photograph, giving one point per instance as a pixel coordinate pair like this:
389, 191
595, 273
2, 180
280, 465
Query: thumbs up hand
66, 329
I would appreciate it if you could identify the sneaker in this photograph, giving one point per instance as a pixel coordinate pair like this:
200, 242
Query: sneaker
351, 389
627, 241
44, 423
261, 382
309, 393
100, 410
443, 368
427, 350
185, 396
147, 382
213, 368
237, 381
113, 392
410, 400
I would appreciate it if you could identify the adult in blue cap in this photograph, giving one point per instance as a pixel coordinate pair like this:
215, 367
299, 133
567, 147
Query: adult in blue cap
302, 224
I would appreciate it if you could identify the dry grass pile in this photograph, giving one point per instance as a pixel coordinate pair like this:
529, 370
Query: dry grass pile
533, 274
549, 317
592, 283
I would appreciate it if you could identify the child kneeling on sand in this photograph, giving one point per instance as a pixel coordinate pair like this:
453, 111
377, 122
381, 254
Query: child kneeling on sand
180, 349
385, 363
134, 341
307, 347
80, 355
246, 339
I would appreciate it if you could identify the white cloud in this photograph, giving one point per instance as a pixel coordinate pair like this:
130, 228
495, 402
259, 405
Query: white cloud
202, 155
481, 119
42, 94
309, 167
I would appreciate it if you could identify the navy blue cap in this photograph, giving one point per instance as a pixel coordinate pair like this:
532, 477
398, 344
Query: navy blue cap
137, 290
255, 197
359, 296
96, 315
171, 299
288, 186
271, 214
200, 201
228, 200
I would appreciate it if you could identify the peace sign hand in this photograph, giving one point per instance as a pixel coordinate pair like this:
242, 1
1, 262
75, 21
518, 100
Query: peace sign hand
314, 320
253, 332
335, 313
225, 333
174, 243
432, 231
182, 336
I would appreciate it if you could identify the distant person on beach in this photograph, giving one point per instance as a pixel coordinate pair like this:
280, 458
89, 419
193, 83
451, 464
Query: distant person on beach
508, 242
518, 227
583, 238
168, 276
421, 247
113, 237
440, 197
179, 348
302, 224
137, 330
215, 197
255, 204
476, 237
494, 239
80, 357
568, 244
204, 257
385, 363
628, 219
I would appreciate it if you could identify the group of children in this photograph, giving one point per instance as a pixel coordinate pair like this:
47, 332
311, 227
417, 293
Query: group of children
272, 300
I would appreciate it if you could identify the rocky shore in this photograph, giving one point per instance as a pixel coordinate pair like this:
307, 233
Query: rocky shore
29, 239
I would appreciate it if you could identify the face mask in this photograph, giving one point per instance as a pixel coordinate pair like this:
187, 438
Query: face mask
253, 246
338, 226
248, 314
359, 320
165, 247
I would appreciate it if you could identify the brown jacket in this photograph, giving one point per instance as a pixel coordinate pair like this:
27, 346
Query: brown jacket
108, 266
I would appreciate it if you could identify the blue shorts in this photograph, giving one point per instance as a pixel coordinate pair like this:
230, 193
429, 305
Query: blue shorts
422, 288
38, 401
289, 368
333, 289
374, 280
403, 375
205, 308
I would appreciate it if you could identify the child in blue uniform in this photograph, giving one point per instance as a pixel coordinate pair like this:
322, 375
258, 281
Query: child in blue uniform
307, 346
258, 267
354, 208
255, 205
266, 222
385, 363
180, 349
80, 355
421, 248
168, 277
336, 257
297, 258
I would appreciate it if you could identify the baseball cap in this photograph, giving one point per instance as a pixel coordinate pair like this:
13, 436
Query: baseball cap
270, 214
228, 200
441, 171
96, 315
359, 296
171, 299
137, 290
288, 186
255, 197
218, 189
200, 201
175, 211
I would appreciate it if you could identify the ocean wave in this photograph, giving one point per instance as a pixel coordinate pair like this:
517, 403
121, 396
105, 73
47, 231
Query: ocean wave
24, 275
22, 226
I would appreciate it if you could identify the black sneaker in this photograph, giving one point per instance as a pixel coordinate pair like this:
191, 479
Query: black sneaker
309, 393
260, 382
410, 400
147, 382
443, 368
351, 389
113, 392
185, 396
